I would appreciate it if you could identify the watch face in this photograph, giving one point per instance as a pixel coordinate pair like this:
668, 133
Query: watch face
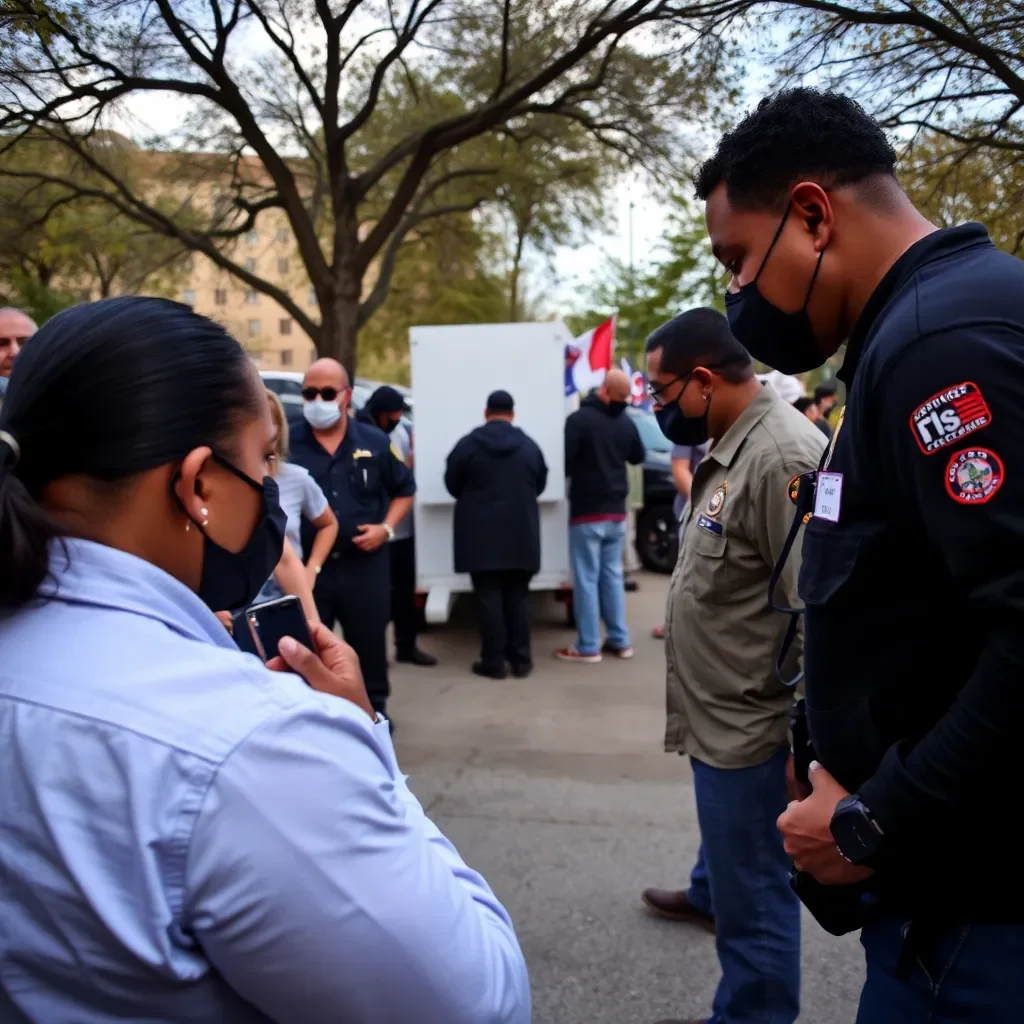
855, 833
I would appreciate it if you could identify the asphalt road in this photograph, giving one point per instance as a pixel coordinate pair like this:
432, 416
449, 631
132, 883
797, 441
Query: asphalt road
556, 789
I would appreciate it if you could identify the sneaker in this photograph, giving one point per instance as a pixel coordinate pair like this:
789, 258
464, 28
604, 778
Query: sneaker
620, 652
571, 654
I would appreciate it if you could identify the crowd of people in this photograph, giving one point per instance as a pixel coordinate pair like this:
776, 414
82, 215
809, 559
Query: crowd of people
190, 834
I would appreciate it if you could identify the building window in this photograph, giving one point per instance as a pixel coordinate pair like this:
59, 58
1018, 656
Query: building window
254, 328
220, 296
252, 297
252, 237
312, 297
282, 234
250, 265
286, 357
286, 326
189, 297
282, 265
313, 354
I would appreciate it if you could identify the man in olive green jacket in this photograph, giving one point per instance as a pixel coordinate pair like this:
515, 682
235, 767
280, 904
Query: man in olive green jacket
727, 709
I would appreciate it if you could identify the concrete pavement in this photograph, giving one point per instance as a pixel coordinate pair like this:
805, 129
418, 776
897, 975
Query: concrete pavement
556, 789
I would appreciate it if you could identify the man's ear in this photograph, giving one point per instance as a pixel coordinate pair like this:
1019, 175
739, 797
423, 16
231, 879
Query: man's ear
814, 208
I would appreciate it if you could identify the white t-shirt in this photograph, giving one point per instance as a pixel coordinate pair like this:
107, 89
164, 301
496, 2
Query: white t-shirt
402, 444
300, 496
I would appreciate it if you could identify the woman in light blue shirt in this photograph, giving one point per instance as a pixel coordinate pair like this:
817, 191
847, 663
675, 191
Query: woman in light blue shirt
186, 835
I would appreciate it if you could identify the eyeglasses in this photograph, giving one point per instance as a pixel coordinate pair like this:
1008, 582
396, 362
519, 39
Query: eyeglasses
654, 394
6, 342
327, 394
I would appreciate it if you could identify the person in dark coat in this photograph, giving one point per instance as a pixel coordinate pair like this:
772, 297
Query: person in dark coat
496, 473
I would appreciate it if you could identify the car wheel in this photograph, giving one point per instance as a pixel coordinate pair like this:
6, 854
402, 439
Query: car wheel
657, 538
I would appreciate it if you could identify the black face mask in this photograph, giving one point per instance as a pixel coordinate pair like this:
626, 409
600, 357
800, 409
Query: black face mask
389, 425
784, 341
231, 580
680, 428
616, 408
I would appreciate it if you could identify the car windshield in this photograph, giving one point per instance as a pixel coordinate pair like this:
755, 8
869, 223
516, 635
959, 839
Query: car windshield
650, 433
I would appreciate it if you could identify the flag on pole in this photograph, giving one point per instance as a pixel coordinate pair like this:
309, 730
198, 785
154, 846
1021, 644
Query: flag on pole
637, 385
589, 358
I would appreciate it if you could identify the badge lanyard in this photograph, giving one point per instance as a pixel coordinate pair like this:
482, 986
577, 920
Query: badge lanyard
804, 509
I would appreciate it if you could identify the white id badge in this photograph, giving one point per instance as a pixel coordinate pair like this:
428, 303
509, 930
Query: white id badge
828, 496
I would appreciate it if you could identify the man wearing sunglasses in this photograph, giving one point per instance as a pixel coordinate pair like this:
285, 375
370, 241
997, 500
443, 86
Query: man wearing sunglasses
727, 709
370, 491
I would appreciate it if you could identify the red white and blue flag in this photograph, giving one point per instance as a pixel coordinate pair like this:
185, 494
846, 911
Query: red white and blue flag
589, 358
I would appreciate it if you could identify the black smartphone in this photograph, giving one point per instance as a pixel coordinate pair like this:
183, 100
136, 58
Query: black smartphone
270, 621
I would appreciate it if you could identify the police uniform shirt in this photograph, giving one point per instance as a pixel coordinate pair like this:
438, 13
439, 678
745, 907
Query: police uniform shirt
725, 704
360, 479
913, 575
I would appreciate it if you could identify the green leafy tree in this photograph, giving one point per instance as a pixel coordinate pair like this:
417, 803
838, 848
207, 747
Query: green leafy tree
682, 275
288, 109
951, 68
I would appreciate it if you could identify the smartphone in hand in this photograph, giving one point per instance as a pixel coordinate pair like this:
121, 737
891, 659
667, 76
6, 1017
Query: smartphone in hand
269, 622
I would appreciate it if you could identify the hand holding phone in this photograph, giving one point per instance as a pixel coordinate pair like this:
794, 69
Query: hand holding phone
328, 665
270, 621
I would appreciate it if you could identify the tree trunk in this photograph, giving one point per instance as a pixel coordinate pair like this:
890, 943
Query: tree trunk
517, 269
341, 329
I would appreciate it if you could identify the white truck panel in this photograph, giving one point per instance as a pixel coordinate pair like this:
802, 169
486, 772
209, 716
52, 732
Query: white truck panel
454, 369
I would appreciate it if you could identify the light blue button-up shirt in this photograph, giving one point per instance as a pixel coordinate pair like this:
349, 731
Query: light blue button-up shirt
185, 836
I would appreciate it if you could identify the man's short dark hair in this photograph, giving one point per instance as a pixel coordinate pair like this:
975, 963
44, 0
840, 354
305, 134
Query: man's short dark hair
500, 402
701, 337
803, 403
792, 136
826, 389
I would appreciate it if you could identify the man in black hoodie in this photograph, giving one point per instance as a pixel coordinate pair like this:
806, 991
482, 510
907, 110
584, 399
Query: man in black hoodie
599, 440
496, 473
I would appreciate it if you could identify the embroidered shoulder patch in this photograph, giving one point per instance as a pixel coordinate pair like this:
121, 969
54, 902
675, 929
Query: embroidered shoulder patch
948, 416
793, 489
974, 475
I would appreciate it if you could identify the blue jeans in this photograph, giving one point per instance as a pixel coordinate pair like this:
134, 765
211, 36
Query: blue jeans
595, 550
964, 975
742, 877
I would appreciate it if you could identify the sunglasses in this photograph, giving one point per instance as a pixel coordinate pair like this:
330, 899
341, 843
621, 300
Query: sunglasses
327, 394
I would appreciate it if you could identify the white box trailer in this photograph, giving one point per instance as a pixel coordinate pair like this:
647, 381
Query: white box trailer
454, 369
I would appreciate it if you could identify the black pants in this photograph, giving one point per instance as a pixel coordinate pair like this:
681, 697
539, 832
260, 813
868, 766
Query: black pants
356, 592
403, 593
503, 605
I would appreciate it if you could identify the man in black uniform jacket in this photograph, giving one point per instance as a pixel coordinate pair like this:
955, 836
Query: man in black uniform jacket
913, 561
369, 490
496, 473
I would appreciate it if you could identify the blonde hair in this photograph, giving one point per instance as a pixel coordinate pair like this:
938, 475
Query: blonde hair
281, 422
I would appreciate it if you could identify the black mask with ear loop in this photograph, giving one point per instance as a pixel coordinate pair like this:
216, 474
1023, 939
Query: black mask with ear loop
231, 579
784, 341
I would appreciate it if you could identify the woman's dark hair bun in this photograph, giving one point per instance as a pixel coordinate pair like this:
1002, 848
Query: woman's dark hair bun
107, 390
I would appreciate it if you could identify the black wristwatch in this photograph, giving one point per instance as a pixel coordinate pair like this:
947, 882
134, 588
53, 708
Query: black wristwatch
856, 833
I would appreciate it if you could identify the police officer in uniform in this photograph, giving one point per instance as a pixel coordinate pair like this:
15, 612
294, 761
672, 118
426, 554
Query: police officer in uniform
913, 560
370, 491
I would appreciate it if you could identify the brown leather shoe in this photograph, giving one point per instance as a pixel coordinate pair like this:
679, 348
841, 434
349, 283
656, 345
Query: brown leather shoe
674, 905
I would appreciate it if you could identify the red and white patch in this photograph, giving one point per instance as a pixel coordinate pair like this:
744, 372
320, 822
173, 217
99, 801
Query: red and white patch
949, 416
974, 475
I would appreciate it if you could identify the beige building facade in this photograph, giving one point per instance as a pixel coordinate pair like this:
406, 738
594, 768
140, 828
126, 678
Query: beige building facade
266, 331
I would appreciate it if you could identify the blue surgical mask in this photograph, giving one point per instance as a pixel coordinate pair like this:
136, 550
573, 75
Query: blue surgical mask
784, 341
321, 415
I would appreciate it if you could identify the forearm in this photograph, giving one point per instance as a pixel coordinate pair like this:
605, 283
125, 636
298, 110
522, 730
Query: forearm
398, 510
682, 477
323, 544
290, 576
967, 751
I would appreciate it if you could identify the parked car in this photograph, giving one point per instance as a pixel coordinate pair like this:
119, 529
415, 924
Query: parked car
657, 532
